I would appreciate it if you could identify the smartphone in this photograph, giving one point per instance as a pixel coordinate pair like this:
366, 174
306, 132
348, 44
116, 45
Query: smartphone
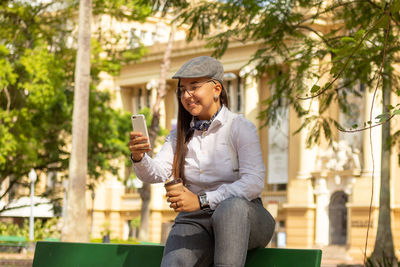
139, 125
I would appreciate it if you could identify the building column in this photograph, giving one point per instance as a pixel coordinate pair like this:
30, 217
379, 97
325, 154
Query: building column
372, 159
362, 189
156, 208
251, 97
359, 206
300, 207
322, 213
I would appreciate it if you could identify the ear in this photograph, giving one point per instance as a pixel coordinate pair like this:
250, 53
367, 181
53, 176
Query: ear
217, 89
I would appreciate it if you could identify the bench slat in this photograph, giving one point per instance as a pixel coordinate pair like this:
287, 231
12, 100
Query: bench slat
65, 254
282, 257
11, 238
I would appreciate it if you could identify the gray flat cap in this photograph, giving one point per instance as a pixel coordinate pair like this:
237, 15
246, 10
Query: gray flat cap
201, 67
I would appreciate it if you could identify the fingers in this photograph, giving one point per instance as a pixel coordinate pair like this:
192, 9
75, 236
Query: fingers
140, 147
183, 201
133, 135
174, 196
177, 206
173, 193
173, 199
137, 138
138, 143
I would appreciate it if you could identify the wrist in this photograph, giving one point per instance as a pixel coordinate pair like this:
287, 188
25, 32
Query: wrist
203, 201
136, 159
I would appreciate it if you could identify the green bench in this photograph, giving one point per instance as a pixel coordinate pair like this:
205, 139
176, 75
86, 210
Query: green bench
64, 254
9, 243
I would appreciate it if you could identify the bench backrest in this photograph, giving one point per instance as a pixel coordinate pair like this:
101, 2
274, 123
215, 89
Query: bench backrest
65, 254
11, 238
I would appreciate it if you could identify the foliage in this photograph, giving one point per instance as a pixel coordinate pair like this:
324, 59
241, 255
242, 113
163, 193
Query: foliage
135, 223
108, 132
291, 44
106, 226
37, 58
43, 229
116, 241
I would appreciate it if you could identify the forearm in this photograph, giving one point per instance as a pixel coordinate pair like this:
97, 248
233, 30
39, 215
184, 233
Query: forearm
151, 171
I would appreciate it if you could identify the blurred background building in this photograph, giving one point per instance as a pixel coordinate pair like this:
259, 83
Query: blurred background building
319, 196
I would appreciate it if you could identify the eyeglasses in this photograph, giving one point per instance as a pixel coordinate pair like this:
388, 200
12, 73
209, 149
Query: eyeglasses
180, 91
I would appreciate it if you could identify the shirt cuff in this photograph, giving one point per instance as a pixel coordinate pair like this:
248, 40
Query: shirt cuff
137, 161
214, 198
143, 162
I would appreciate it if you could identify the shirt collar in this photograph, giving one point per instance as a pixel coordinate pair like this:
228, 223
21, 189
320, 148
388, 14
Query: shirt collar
220, 118
203, 125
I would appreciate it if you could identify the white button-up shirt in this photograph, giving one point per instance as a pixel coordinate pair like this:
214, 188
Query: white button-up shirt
208, 163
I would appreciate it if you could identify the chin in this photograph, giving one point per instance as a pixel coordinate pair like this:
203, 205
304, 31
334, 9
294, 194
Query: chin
193, 111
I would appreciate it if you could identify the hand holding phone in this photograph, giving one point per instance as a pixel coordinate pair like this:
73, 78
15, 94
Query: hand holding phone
139, 142
139, 125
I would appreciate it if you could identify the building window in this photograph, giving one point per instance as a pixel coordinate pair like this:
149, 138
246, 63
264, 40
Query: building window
153, 37
354, 116
234, 87
276, 187
278, 149
133, 39
141, 98
148, 97
133, 226
143, 35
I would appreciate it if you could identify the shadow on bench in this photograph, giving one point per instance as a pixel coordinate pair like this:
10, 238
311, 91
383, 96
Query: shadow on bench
65, 254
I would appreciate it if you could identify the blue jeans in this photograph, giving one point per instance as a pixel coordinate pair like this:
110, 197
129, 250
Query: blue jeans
221, 237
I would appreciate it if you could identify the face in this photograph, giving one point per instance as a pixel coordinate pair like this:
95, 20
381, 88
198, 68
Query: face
197, 96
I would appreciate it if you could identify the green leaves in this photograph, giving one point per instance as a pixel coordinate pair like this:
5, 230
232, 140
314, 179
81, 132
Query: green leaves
383, 22
37, 63
315, 88
395, 6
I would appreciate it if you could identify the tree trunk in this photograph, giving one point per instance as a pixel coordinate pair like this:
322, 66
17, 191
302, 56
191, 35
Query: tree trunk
154, 129
75, 228
383, 254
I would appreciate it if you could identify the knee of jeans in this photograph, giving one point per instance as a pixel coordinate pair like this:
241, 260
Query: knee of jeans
234, 206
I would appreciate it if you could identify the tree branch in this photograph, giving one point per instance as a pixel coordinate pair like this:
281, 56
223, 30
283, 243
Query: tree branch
346, 63
8, 99
373, 4
366, 128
